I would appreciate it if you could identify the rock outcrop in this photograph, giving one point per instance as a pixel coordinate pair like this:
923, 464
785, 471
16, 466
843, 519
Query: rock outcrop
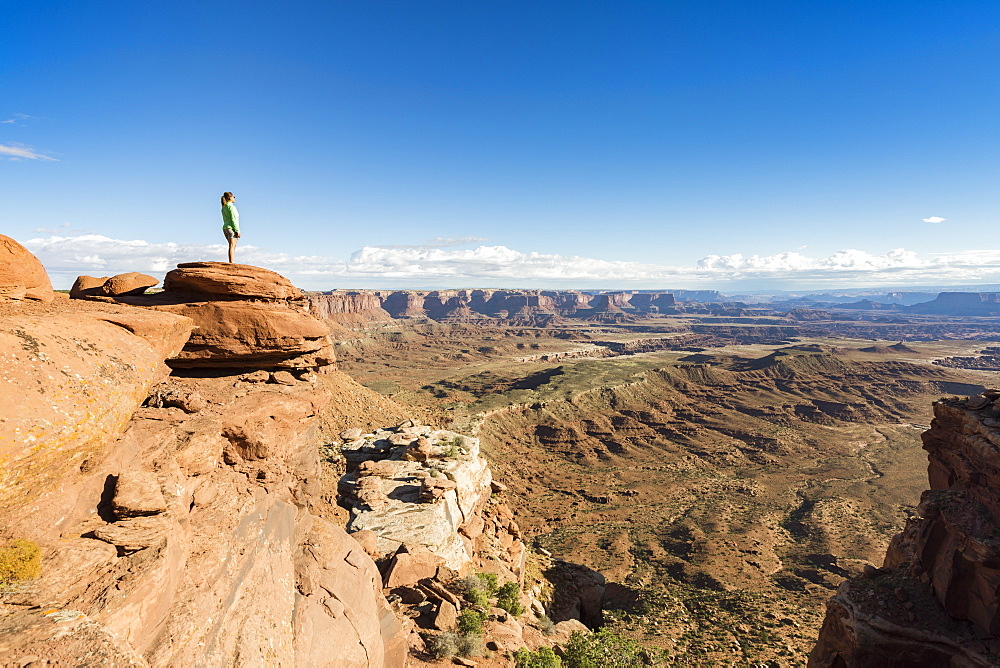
171, 536
418, 486
224, 280
22, 276
936, 599
245, 316
424, 504
180, 519
347, 307
68, 385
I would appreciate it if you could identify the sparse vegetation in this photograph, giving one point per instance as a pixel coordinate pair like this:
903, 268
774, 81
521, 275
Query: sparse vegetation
444, 645
546, 625
543, 658
508, 599
20, 560
477, 597
470, 622
480, 588
604, 649
471, 645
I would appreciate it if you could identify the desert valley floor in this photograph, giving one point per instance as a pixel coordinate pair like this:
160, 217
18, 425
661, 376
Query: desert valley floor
727, 473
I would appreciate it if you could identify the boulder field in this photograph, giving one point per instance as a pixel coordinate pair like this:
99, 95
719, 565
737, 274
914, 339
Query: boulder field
936, 599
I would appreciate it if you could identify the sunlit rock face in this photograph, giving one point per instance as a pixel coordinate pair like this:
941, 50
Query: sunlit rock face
22, 276
245, 316
936, 600
472, 305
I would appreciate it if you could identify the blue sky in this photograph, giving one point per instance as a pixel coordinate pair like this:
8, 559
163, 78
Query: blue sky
636, 144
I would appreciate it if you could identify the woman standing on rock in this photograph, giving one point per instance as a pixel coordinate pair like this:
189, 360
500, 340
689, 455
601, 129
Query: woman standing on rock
230, 222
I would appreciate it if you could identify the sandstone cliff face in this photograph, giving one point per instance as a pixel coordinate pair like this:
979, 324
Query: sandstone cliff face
936, 600
175, 514
347, 307
520, 306
189, 541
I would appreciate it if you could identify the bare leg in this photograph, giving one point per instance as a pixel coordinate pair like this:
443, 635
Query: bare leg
232, 249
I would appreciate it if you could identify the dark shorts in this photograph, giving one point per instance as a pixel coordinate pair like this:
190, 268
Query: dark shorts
229, 232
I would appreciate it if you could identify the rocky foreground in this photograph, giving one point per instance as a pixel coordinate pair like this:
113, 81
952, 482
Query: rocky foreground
161, 453
936, 599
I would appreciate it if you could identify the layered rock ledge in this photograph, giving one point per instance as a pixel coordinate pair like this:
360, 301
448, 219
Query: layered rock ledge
245, 316
415, 485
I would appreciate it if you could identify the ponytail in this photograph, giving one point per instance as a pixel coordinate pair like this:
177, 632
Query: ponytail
227, 197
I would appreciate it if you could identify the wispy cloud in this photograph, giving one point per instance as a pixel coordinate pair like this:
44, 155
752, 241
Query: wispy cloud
58, 229
22, 152
934, 219
17, 119
441, 242
66, 257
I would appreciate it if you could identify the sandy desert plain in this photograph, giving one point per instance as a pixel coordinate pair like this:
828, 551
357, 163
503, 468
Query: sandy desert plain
726, 472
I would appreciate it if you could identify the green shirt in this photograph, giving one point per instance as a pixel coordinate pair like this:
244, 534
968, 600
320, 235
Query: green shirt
230, 218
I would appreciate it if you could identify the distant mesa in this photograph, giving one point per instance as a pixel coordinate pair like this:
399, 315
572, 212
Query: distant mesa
806, 314
528, 307
888, 350
961, 304
22, 276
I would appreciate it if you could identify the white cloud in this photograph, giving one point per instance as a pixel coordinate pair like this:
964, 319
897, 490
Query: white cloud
934, 219
21, 152
66, 257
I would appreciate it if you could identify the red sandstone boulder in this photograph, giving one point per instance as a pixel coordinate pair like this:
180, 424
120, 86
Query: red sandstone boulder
252, 334
137, 493
410, 565
132, 283
22, 276
243, 316
229, 281
87, 286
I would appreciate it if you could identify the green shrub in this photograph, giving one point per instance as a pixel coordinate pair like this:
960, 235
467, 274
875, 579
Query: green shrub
479, 588
444, 646
543, 658
477, 597
470, 622
507, 598
603, 649
20, 560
